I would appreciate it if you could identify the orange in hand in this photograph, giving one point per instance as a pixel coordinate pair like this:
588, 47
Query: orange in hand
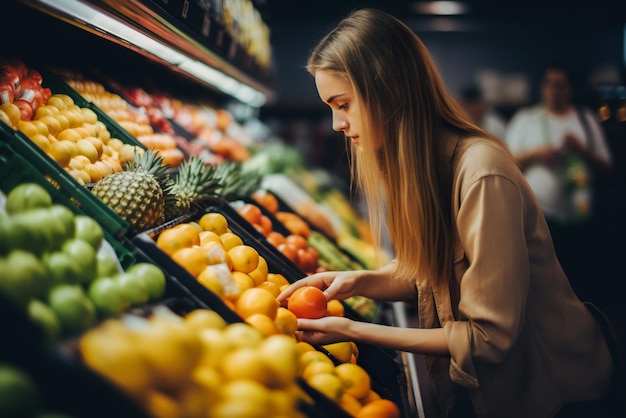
307, 302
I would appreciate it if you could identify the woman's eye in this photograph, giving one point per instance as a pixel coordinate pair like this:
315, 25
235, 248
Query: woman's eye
343, 106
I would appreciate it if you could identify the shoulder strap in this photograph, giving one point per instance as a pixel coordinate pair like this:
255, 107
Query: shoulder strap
583, 120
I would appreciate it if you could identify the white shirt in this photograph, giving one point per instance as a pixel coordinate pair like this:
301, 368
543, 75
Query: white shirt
527, 131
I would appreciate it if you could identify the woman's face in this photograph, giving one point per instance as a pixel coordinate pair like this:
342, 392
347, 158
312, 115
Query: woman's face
338, 94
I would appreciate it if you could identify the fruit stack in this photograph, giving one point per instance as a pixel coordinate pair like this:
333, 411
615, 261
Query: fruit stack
134, 121
55, 266
233, 267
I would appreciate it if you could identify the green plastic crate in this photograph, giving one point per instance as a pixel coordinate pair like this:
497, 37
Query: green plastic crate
21, 160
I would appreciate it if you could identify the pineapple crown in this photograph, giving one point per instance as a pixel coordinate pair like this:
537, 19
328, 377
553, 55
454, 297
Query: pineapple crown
235, 181
152, 163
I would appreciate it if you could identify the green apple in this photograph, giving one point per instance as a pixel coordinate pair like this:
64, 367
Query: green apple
63, 268
134, 287
23, 276
153, 276
27, 196
107, 266
65, 218
44, 316
74, 308
19, 394
88, 229
108, 296
85, 255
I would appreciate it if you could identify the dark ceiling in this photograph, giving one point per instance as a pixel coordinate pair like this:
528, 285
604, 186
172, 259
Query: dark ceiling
589, 11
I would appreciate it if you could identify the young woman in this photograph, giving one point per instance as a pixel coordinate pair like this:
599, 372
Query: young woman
503, 332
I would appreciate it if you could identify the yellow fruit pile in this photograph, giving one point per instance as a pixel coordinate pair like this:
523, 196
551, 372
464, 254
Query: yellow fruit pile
348, 384
75, 138
197, 365
219, 259
134, 122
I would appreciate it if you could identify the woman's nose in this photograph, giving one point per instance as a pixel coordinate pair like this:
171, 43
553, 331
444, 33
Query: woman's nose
339, 125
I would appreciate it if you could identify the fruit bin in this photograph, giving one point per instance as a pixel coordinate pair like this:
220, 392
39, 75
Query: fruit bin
57, 85
21, 160
374, 309
387, 376
146, 242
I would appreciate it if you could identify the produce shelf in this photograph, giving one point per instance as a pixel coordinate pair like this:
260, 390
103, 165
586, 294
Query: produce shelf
21, 160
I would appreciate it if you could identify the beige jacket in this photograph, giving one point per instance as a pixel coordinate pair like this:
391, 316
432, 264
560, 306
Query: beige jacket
521, 341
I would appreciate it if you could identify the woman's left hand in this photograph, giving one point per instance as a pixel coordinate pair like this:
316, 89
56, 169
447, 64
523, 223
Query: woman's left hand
326, 330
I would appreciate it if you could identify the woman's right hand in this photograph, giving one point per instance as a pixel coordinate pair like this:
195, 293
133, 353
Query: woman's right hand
335, 284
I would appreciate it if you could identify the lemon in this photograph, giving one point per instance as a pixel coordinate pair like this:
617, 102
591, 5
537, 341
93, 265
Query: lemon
342, 351
200, 319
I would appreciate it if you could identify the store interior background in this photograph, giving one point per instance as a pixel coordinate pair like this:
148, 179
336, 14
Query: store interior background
502, 45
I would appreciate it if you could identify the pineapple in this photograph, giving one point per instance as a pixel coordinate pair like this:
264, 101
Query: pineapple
139, 193
196, 184
235, 181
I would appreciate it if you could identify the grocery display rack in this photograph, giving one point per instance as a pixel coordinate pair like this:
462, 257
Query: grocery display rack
181, 24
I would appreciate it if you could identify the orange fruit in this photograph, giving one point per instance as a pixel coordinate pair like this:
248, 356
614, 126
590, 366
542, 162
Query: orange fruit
266, 225
275, 238
251, 213
209, 236
214, 222
334, 307
380, 408
307, 259
193, 231
286, 321
269, 286
302, 347
263, 323
288, 251
244, 258
277, 278
209, 279
267, 200
294, 223
371, 396
173, 239
312, 356
356, 381
256, 300
307, 302
316, 367
193, 259
259, 274
298, 241
216, 254
230, 240
350, 404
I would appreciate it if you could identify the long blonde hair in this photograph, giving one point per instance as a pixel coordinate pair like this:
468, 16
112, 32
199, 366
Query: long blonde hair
405, 105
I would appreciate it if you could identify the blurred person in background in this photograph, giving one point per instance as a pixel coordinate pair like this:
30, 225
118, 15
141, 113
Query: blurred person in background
560, 147
501, 330
480, 111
